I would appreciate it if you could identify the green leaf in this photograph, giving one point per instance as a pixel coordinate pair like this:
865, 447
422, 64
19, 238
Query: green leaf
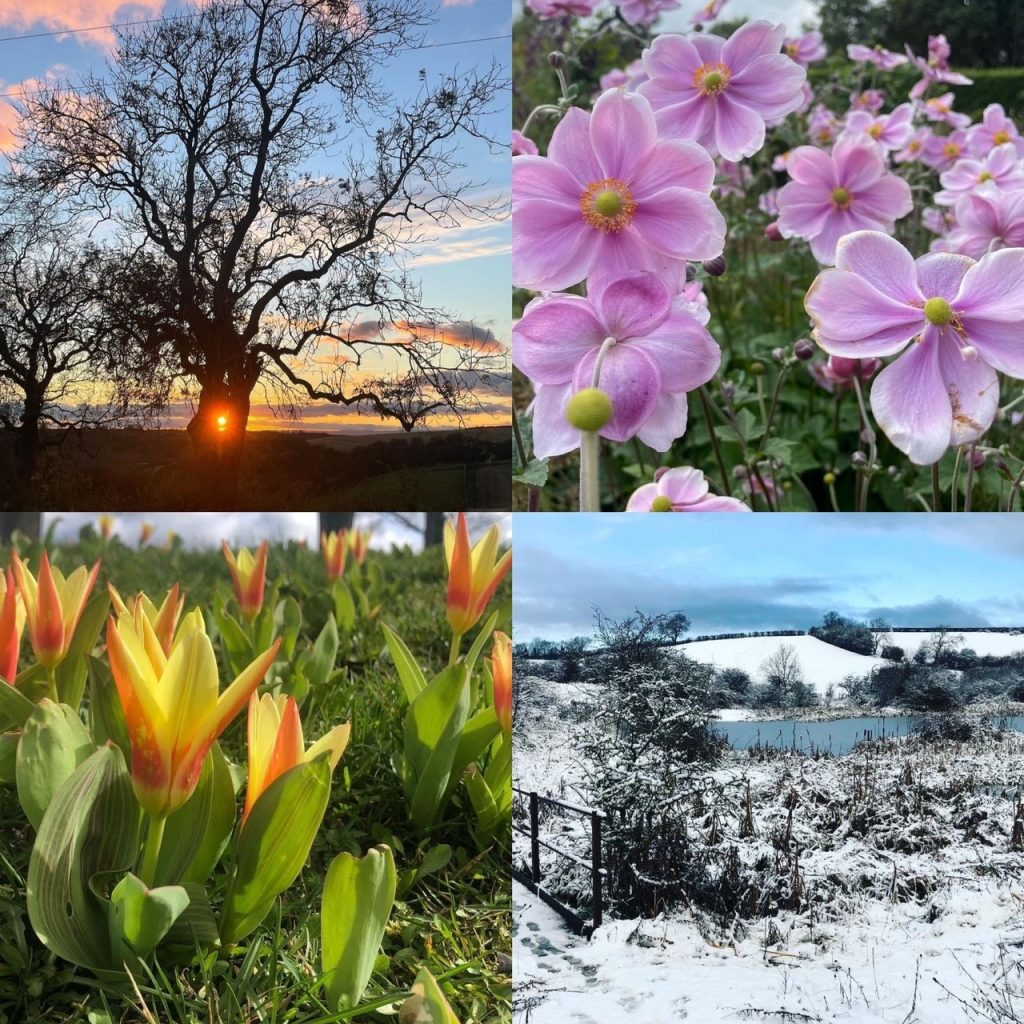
289, 622
344, 606
274, 844
480, 642
480, 730
91, 826
139, 917
433, 725
223, 811
106, 716
185, 829
488, 814
409, 671
535, 474
73, 671
196, 926
53, 744
357, 900
427, 1004
8, 756
324, 654
14, 705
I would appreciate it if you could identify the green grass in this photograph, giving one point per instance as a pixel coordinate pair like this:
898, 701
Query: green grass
455, 921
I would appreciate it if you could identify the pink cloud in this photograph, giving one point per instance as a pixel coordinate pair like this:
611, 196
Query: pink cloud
44, 15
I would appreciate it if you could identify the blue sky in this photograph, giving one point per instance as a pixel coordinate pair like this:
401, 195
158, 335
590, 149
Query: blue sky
466, 271
737, 573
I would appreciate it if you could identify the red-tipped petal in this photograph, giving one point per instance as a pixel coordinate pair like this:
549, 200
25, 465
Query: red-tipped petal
47, 624
10, 635
460, 579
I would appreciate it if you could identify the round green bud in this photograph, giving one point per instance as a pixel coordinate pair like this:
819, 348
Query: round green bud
830, 479
661, 504
938, 312
757, 369
589, 409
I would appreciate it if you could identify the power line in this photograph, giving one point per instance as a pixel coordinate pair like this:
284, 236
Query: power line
97, 28
37, 92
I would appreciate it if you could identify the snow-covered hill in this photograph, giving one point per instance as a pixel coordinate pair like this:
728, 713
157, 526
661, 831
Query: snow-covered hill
980, 643
821, 663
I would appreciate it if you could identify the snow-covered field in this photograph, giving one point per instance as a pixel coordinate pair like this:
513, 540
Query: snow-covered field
822, 664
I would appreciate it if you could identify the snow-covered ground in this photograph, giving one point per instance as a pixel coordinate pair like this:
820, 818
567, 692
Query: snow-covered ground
981, 643
822, 664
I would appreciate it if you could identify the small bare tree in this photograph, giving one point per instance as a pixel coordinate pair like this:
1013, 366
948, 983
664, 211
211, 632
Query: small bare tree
782, 673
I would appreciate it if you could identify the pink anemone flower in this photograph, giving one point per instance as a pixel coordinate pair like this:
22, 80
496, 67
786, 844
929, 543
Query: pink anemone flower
644, 12
985, 223
654, 351
955, 321
914, 148
890, 131
999, 171
830, 196
719, 92
994, 129
545, 9
806, 49
682, 489
521, 145
884, 59
940, 108
708, 12
611, 197
942, 151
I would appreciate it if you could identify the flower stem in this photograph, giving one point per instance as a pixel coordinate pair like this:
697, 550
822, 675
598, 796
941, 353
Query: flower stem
954, 489
590, 488
969, 497
453, 652
936, 490
775, 402
705, 405
870, 437
151, 851
51, 682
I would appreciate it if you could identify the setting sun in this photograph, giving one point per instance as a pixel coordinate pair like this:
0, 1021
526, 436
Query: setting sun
222, 423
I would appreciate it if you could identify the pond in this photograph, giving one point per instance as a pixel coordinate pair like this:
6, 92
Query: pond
835, 737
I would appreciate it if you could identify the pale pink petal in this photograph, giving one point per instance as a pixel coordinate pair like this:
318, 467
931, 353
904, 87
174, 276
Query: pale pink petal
803, 209
853, 319
939, 274
623, 132
674, 164
885, 201
683, 485
552, 336
571, 146
993, 289
553, 434
684, 351
882, 262
999, 342
642, 498
666, 423
687, 120
632, 381
859, 163
972, 387
811, 166
718, 503
708, 46
682, 223
771, 85
536, 177
554, 248
632, 305
624, 252
671, 58
839, 223
911, 405
739, 131
751, 41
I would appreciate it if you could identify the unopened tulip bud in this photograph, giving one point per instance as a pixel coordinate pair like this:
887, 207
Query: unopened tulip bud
589, 409
772, 232
804, 350
715, 267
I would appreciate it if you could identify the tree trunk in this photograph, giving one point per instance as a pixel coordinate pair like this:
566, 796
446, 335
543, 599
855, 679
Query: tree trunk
26, 522
217, 432
27, 450
433, 529
332, 521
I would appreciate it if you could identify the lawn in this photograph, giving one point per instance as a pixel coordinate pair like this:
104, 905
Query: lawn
451, 912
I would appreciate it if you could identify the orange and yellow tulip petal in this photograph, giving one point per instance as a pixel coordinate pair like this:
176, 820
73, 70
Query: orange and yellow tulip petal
249, 574
474, 573
106, 524
335, 551
501, 671
164, 619
12, 623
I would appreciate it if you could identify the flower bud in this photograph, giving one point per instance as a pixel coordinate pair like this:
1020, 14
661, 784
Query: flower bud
728, 390
715, 267
589, 409
691, 273
804, 350
778, 354
978, 459
830, 479
557, 60
772, 232
858, 460
757, 369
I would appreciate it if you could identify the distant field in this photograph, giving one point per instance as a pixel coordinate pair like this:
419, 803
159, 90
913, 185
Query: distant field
156, 470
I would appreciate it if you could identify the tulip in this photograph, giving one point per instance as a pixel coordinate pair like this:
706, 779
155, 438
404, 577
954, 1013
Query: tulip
164, 619
473, 575
250, 577
359, 544
334, 547
172, 705
106, 526
12, 623
146, 534
53, 606
501, 670
276, 744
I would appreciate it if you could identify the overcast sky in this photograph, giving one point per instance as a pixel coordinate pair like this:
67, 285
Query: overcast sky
794, 14
208, 529
740, 573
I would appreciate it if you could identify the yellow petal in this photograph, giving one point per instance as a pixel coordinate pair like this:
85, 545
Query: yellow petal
334, 742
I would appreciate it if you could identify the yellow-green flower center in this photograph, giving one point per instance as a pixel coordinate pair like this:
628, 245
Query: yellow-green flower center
938, 311
712, 79
1001, 136
985, 176
608, 205
841, 198
661, 504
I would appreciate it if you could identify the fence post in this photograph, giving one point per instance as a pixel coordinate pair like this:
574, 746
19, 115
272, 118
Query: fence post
534, 844
595, 860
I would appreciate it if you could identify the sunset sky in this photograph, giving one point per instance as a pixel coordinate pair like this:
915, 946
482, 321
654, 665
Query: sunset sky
466, 270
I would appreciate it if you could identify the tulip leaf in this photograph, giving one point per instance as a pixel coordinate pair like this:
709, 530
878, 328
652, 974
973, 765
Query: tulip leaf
476, 737
433, 725
359, 893
414, 682
53, 744
288, 619
185, 829
221, 820
195, 927
139, 917
320, 662
427, 1004
91, 826
274, 844
8, 756
106, 716
344, 606
482, 637
14, 705
488, 814
73, 671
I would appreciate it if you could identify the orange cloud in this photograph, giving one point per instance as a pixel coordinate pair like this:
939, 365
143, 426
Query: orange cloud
9, 116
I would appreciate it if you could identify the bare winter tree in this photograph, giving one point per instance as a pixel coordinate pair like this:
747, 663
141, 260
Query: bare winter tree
199, 143
782, 673
63, 363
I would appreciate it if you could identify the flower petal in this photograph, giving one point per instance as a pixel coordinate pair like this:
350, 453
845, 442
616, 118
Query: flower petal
973, 389
939, 274
571, 147
633, 382
666, 423
555, 247
553, 434
739, 131
681, 223
642, 498
770, 85
685, 352
751, 41
993, 288
553, 335
632, 306
675, 163
623, 132
683, 485
881, 261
